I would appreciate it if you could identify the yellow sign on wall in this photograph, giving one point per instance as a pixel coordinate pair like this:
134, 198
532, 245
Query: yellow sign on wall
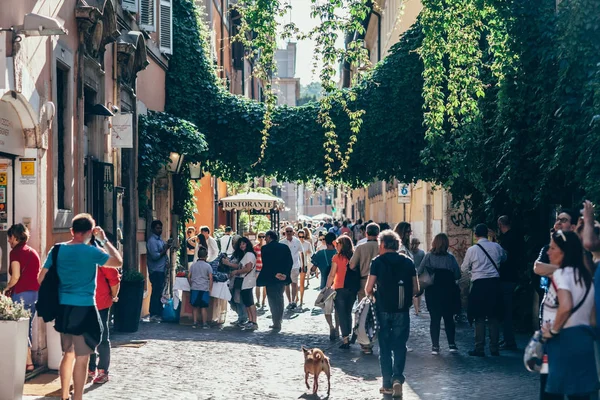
3, 179
27, 168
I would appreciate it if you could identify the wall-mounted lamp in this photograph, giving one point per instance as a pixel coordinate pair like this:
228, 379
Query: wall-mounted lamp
176, 162
38, 25
195, 171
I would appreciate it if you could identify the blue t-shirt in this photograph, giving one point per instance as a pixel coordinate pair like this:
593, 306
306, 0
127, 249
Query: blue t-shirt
77, 265
322, 259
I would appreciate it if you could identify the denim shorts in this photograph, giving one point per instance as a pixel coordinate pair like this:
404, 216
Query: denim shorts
28, 298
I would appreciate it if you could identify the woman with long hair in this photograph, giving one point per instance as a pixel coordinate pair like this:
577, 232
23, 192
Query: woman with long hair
244, 281
404, 230
190, 243
344, 298
443, 297
307, 245
236, 301
567, 319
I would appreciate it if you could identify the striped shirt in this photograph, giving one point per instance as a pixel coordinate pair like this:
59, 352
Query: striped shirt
257, 250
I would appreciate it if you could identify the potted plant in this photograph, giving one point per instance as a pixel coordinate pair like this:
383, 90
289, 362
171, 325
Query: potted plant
14, 330
129, 307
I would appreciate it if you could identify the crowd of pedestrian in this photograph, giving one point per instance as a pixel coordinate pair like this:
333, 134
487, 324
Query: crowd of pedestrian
360, 267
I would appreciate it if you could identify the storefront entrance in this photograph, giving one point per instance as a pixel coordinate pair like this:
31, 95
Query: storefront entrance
7, 191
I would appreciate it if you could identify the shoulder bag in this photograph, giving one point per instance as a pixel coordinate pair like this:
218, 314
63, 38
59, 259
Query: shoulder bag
48, 302
488, 256
427, 277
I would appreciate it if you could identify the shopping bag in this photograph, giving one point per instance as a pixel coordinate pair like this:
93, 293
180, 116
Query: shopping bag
168, 314
322, 297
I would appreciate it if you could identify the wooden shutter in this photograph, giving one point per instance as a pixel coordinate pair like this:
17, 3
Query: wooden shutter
130, 5
148, 15
166, 26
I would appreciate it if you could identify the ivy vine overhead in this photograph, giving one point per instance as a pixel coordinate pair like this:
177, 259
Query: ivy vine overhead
159, 135
498, 101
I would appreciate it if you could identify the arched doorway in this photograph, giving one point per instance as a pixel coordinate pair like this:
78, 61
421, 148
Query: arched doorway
18, 128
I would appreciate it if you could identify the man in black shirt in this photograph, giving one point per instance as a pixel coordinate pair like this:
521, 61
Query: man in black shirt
396, 280
512, 243
275, 274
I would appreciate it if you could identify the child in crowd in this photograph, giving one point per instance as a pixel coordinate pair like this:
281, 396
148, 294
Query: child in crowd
200, 278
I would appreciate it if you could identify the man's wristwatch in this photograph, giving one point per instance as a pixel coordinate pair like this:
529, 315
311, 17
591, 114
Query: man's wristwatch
103, 242
553, 332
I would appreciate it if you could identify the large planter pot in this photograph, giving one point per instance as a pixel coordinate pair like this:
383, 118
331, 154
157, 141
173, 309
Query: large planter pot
13, 358
129, 308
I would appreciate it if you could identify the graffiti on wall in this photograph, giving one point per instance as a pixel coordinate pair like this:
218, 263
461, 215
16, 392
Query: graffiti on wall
461, 219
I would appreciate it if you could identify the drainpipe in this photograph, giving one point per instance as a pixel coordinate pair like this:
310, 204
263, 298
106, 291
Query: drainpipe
378, 15
216, 207
346, 65
223, 39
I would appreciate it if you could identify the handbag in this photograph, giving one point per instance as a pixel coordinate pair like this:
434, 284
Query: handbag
323, 296
352, 279
426, 278
237, 283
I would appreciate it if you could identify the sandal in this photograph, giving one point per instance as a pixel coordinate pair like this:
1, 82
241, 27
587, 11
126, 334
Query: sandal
29, 368
385, 391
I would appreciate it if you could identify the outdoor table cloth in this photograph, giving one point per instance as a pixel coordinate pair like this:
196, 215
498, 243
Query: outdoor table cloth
220, 290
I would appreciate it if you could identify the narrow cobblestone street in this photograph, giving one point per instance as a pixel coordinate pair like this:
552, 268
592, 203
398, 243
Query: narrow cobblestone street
178, 362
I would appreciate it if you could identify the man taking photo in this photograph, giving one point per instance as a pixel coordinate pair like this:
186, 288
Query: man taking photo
77, 318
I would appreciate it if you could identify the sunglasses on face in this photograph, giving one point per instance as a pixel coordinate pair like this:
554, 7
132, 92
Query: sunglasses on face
301, 236
289, 231
261, 237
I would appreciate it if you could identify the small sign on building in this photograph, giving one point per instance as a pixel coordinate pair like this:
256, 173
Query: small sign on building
122, 131
403, 193
27, 171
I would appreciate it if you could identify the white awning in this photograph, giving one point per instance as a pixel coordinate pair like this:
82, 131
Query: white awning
252, 201
320, 217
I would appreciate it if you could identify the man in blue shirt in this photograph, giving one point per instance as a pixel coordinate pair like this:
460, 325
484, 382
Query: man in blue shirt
77, 318
157, 264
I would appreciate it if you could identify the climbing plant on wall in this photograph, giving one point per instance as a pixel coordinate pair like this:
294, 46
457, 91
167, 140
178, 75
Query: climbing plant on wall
498, 101
159, 135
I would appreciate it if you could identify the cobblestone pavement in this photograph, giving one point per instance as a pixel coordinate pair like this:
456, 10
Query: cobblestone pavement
179, 362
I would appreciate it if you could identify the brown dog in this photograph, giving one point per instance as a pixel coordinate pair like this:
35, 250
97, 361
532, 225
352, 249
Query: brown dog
315, 362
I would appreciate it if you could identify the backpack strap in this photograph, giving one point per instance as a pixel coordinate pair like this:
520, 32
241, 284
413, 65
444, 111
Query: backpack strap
54, 253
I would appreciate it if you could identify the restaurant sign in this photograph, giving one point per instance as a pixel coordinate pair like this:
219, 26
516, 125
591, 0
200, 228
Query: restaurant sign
263, 205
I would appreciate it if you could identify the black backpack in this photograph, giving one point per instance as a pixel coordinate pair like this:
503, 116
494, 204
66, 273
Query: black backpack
352, 279
48, 303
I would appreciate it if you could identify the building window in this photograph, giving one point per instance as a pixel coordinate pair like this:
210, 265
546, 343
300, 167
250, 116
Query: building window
61, 135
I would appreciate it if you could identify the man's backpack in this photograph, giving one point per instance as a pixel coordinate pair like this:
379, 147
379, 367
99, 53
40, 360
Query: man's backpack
48, 301
352, 279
